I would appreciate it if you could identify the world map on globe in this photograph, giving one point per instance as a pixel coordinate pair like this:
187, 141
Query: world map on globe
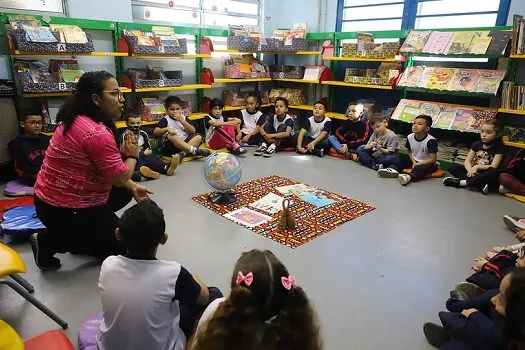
221, 171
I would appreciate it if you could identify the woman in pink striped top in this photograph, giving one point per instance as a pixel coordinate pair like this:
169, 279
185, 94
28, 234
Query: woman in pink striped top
84, 179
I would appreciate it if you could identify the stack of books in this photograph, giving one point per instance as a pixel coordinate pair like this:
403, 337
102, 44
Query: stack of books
518, 36
512, 96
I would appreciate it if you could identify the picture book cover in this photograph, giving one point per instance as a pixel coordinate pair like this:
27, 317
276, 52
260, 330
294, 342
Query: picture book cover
70, 75
430, 109
23, 22
75, 37
464, 80
146, 41
316, 197
285, 190
490, 80
464, 119
133, 32
247, 217
271, 203
460, 43
445, 118
40, 35
480, 45
499, 42
426, 76
440, 78
412, 76
437, 42
415, 42
409, 113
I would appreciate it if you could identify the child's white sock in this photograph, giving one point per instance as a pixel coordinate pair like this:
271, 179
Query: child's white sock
264, 144
463, 183
272, 147
193, 150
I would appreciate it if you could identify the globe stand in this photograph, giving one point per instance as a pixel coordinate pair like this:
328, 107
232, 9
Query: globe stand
222, 198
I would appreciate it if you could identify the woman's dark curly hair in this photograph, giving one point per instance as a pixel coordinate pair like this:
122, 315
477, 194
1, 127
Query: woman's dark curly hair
81, 103
514, 330
292, 324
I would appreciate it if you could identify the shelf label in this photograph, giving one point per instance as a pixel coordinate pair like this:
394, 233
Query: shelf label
62, 86
161, 83
161, 49
61, 47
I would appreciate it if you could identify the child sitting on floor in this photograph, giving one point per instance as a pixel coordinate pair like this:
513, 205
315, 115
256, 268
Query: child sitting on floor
277, 130
252, 119
472, 329
353, 133
178, 135
484, 155
422, 154
148, 165
319, 127
265, 310
28, 149
147, 303
381, 149
221, 133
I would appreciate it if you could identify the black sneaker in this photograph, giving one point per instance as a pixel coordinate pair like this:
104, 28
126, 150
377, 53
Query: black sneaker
182, 154
318, 152
202, 152
377, 167
260, 150
44, 263
435, 334
269, 152
238, 151
451, 182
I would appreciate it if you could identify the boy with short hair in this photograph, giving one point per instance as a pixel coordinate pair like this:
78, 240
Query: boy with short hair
380, 151
148, 165
220, 131
422, 154
354, 132
178, 135
319, 127
147, 303
277, 130
28, 149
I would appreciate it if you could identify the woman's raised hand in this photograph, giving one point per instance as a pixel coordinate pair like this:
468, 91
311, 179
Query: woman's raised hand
130, 147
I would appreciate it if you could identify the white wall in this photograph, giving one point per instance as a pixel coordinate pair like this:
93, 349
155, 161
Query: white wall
517, 7
109, 10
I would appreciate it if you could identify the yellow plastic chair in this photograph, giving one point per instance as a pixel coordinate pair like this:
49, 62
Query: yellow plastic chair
10, 266
9, 339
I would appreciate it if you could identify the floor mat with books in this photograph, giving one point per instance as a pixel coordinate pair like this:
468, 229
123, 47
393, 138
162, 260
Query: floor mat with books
315, 211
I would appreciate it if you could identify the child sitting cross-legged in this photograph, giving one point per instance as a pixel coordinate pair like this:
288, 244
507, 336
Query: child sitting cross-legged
249, 131
422, 154
178, 135
220, 133
147, 303
266, 309
381, 149
148, 165
483, 159
319, 127
353, 133
28, 149
277, 130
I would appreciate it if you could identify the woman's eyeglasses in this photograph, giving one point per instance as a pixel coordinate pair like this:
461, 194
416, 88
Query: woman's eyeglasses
117, 93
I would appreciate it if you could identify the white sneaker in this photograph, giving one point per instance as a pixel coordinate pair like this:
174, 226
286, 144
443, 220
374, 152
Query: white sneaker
514, 223
503, 189
388, 173
403, 179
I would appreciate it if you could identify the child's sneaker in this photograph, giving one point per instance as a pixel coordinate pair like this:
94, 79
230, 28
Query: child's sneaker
238, 151
148, 173
261, 149
451, 182
435, 334
503, 190
403, 179
270, 151
388, 173
174, 163
203, 152
377, 167
514, 223
485, 190
465, 291
318, 152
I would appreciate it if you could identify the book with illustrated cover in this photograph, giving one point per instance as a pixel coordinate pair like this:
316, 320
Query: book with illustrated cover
515, 32
23, 22
133, 32
396, 115
316, 197
489, 81
425, 77
74, 37
480, 43
271, 203
464, 80
440, 78
146, 41
499, 42
70, 75
460, 43
247, 217
409, 113
431, 109
445, 118
412, 76
40, 35
285, 190
415, 42
437, 42
68, 70
464, 119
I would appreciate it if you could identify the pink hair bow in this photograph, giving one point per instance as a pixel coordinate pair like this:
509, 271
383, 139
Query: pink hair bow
288, 282
247, 279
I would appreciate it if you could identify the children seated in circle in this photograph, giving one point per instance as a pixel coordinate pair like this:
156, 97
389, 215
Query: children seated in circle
318, 127
277, 131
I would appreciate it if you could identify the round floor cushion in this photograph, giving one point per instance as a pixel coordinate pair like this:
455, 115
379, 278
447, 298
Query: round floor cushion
17, 188
87, 334
20, 221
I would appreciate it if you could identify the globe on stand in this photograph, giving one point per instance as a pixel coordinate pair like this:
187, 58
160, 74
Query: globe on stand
221, 172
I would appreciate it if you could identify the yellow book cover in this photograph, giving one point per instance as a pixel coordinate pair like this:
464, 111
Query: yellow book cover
440, 78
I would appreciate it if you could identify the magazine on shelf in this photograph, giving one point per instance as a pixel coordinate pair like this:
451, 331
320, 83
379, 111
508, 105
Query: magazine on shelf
40, 35
489, 81
464, 80
437, 42
463, 120
460, 43
445, 118
412, 76
499, 42
480, 43
247, 217
515, 32
440, 78
415, 42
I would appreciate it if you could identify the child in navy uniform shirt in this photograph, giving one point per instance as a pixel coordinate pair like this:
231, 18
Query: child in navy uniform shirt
147, 303
319, 127
249, 131
28, 149
277, 131
422, 154
354, 132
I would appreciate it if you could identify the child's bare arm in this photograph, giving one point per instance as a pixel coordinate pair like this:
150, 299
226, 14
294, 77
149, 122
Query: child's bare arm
158, 132
432, 158
469, 159
319, 138
498, 158
300, 139
282, 135
187, 126
204, 296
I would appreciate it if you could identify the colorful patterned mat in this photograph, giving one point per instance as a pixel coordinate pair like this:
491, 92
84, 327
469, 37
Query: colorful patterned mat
312, 222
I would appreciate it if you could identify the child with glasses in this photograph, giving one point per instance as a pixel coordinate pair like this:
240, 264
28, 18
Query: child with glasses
28, 149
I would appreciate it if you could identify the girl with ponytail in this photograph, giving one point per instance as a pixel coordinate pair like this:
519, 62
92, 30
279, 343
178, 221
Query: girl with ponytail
265, 310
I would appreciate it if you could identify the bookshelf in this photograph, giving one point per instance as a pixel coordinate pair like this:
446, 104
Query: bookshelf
363, 59
363, 86
246, 80
301, 81
511, 111
445, 92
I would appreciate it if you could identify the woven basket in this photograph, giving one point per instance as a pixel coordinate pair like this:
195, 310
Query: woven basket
21, 43
287, 72
157, 50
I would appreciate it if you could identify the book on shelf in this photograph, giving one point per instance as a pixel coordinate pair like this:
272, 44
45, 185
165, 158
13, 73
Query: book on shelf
440, 78
480, 43
464, 80
437, 42
23, 22
415, 42
68, 70
38, 71
445, 118
460, 43
412, 76
463, 120
515, 33
500, 41
489, 81
512, 96
71, 34
515, 133
40, 35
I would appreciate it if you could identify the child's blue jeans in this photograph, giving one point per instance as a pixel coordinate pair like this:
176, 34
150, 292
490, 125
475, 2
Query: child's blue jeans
366, 158
334, 142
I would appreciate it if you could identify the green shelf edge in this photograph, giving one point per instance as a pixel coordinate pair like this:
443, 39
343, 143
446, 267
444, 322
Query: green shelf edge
445, 92
88, 24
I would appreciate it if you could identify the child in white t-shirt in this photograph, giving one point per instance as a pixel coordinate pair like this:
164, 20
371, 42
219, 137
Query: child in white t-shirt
249, 131
147, 303
265, 310
318, 126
